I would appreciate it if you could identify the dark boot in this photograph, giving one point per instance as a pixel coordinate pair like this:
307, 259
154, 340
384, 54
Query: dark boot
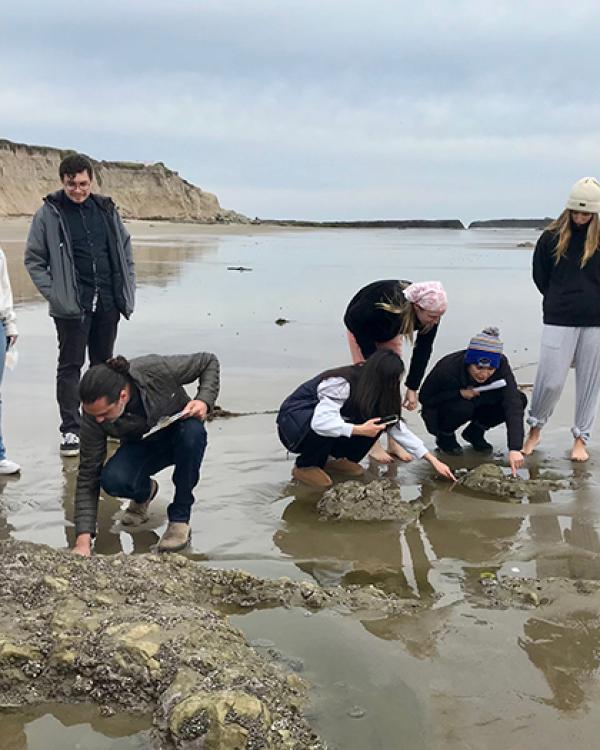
447, 443
473, 434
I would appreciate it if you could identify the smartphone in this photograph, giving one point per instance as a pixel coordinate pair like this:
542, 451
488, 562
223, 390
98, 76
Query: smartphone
390, 419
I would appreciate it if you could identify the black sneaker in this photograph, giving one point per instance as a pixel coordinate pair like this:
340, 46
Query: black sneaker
473, 434
448, 443
69, 444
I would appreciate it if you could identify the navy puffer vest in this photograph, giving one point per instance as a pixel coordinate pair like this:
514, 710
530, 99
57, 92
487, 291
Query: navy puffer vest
295, 413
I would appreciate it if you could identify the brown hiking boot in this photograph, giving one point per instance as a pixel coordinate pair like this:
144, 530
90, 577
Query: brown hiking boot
176, 537
345, 466
313, 476
137, 513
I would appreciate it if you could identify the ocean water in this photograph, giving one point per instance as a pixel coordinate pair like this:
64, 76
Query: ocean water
425, 679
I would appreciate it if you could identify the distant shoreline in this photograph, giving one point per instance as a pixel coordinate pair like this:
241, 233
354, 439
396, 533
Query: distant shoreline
511, 223
376, 224
410, 224
538, 224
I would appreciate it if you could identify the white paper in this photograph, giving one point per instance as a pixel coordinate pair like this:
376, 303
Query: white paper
11, 358
163, 422
491, 387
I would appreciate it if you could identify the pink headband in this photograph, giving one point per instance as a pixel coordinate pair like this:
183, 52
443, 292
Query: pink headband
429, 295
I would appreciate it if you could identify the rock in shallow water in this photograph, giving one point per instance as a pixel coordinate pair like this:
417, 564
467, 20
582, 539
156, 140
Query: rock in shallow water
380, 500
492, 480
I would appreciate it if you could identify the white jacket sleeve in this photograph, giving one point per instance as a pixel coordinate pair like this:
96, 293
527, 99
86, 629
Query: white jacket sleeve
327, 420
407, 439
7, 313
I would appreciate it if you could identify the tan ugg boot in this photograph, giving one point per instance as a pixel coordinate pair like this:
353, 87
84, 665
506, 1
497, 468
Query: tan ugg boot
176, 537
345, 466
313, 476
137, 513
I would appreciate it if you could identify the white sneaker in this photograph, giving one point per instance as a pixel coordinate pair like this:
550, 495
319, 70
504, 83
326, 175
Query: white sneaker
9, 467
69, 445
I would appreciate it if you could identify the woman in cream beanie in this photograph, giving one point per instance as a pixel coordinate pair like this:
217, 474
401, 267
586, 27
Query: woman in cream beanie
566, 270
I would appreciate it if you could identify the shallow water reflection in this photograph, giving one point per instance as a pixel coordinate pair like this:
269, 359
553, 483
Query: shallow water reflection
58, 726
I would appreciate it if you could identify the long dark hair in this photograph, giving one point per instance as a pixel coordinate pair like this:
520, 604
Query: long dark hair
105, 381
374, 384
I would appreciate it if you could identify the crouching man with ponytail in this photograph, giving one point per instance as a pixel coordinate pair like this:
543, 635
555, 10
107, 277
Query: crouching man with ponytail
125, 400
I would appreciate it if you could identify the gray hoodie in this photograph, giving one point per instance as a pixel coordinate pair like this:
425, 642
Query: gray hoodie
49, 258
160, 381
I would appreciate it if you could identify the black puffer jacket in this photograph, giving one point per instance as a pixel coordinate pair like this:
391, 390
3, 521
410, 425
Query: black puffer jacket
296, 412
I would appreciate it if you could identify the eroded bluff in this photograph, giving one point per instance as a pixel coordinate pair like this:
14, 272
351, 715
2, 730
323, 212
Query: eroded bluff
149, 633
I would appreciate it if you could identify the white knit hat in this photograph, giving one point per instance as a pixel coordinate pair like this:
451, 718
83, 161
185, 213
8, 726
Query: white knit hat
585, 196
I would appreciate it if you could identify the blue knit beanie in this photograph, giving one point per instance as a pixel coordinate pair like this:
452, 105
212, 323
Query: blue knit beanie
486, 346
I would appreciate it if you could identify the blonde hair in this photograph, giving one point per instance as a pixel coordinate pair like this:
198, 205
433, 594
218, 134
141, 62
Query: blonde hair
397, 304
562, 227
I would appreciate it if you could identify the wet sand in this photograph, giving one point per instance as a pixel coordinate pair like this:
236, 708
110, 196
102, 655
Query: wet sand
460, 674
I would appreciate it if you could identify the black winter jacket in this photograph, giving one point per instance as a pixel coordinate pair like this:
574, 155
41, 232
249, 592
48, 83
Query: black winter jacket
370, 325
571, 293
450, 375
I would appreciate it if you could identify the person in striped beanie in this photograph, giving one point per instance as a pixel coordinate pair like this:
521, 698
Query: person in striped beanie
485, 346
474, 386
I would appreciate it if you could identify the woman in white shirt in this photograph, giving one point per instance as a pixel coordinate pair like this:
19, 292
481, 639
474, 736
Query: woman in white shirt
332, 420
8, 337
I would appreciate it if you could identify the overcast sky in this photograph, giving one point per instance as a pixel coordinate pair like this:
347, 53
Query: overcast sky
316, 109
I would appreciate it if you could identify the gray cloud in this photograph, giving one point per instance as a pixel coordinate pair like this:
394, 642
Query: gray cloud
350, 110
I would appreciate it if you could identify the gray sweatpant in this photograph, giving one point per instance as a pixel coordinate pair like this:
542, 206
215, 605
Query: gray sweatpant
562, 346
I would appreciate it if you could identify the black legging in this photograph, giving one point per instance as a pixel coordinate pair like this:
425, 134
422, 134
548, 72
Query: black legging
315, 449
449, 416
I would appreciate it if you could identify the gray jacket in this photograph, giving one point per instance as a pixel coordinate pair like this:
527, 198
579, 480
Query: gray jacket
49, 258
160, 381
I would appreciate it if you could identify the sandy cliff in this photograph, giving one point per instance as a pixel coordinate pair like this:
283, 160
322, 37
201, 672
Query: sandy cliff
153, 191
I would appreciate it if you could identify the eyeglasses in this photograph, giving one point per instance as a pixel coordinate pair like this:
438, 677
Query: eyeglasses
72, 185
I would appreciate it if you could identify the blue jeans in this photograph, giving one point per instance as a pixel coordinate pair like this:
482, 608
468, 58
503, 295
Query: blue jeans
3, 346
182, 445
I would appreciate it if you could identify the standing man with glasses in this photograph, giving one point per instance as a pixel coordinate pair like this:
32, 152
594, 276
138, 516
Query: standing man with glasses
79, 257
474, 385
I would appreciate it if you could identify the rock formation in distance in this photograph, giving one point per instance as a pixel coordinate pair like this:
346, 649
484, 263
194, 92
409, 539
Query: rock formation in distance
141, 191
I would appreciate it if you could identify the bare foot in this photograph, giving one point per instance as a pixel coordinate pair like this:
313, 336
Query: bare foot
532, 441
396, 450
579, 451
377, 453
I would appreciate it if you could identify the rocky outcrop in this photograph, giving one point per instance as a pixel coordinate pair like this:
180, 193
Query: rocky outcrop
379, 500
490, 479
511, 224
141, 191
376, 224
149, 633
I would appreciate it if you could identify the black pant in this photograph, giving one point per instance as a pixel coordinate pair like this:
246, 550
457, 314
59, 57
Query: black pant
449, 416
315, 449
95, 332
